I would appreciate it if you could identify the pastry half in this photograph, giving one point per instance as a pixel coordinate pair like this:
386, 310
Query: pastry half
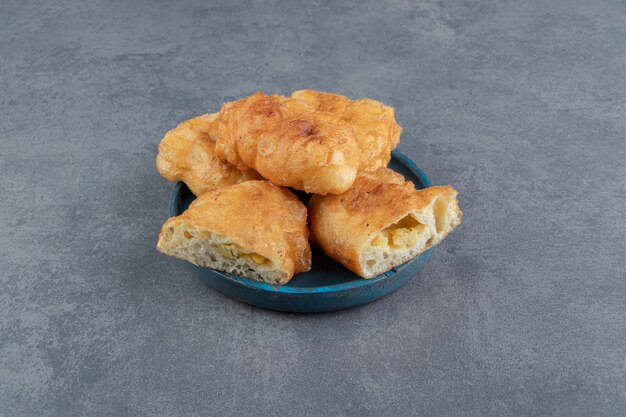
187, 154
374, 124
289, 142
382, 221
254, 229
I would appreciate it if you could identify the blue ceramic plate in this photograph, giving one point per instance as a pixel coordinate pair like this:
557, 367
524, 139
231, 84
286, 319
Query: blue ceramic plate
328, 285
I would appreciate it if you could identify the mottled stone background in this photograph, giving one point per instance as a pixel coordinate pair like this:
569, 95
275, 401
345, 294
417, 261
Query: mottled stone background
520, 105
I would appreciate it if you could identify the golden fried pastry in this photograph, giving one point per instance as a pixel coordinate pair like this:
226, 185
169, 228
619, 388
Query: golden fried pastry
254, 229
382, 221
374, 124
288, 142
187, 154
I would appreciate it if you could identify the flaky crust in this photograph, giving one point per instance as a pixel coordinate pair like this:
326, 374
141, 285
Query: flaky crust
374, 123
187, 153
342, 225
288, 142
256, 215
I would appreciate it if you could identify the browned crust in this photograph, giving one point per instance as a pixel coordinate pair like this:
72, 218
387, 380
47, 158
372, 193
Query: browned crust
374, 124
289, 143
187, 153
258, 216
343, 224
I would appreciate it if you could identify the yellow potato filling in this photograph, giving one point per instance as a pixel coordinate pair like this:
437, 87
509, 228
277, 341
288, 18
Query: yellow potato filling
234, 251
402, 235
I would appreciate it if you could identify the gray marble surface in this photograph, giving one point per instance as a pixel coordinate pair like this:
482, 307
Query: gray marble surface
520, 105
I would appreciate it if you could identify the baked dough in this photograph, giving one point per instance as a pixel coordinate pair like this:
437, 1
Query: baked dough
289, 142
187, 154
376, 129
382, 221
253, 229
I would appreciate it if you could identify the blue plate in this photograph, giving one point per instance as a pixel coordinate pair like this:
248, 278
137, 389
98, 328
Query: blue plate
328, 285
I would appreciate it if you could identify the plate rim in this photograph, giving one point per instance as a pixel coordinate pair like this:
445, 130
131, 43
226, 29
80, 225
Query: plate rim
351, 285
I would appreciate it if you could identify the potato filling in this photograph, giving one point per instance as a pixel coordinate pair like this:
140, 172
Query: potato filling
402, 235
234, 251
